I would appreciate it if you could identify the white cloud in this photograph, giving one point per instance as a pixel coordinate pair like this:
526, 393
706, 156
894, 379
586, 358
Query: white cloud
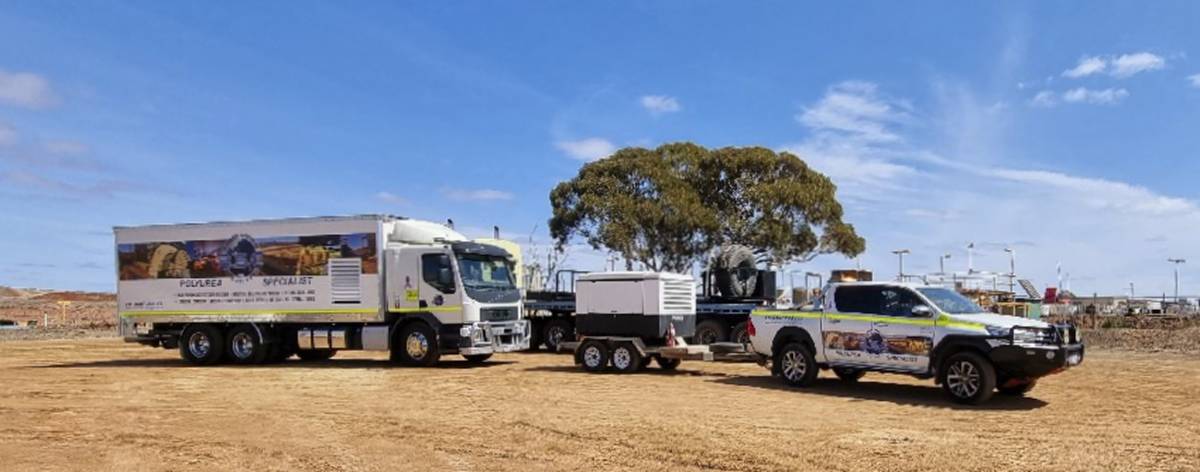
391, 198
1129, 64
855, 109
1044, 99
1087, 66
26, 90
588, 149
660, 104
485, 194
1195, 80
1108, 96
8, 135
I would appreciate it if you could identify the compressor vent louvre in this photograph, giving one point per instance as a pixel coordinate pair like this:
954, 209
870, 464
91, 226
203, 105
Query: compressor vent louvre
344, 283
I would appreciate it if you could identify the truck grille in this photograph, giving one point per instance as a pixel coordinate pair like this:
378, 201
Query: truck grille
498, 314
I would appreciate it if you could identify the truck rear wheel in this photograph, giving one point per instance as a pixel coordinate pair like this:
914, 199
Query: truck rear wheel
741, 333
592, 355
201, 344
417, 345
557, 332
316, 354
969, 378
797, 365
709, 332
245, 346
626, 359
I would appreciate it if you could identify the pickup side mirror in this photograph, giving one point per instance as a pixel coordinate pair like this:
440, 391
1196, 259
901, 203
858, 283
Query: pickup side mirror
921, 311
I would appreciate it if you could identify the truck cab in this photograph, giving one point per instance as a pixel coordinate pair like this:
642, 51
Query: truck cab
920, 330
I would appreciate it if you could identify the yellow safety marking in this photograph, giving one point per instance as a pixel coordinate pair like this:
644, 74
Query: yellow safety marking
786, 314
949, 322
411, 295
431, 309
332, 311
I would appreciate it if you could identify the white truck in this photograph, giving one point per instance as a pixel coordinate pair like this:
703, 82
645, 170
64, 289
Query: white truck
260, 291
925, 331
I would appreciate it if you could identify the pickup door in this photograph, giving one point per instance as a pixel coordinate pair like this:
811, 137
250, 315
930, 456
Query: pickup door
873, 326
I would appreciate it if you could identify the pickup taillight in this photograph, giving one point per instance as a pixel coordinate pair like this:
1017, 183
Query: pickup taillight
750, 326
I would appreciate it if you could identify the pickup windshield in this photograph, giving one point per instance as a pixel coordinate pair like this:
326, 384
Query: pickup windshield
486, 272
950, 301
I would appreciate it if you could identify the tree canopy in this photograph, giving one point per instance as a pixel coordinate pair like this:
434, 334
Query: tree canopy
667, 207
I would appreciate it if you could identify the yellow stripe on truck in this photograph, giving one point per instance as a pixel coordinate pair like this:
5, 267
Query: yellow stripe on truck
315, 311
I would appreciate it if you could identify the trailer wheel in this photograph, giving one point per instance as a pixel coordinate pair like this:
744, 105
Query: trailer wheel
309, 355
741, 333
477, 358
849, 375
244, 346
668, 363
969, 378
710, 331
796, 365
202, 344
557, 332
417, 346
626, 359
592, 355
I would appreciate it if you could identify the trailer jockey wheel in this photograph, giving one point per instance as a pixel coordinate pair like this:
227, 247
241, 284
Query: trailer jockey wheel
626, 359
592, 355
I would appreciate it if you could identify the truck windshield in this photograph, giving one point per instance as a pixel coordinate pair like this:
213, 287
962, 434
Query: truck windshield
486, 272
950, 301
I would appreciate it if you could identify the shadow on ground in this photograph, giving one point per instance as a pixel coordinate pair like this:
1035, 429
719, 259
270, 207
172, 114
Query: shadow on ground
900, 394
329, 364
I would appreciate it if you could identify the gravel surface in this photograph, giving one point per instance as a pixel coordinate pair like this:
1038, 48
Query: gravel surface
100, 404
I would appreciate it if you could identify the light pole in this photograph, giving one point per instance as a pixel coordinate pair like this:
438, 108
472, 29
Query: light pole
970, 258
1012, 269
1176, 262
942, 263
900, 253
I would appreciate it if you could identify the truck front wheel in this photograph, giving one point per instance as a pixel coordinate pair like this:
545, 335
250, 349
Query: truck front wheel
969, 378
797, 365
201, 344
417, 346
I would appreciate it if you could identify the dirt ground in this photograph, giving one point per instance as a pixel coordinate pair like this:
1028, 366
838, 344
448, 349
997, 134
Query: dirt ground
99, 404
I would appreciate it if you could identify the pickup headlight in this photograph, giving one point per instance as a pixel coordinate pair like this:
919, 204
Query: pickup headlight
1026, 336
999, 331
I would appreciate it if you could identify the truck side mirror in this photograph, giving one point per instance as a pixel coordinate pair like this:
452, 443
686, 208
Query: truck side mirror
921, 311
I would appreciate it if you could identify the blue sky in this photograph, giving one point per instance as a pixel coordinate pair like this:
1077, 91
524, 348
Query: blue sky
1065, 130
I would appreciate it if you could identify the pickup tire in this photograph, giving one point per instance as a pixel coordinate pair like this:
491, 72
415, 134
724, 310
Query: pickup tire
1017, 390
626, 359
243, 345
796, 364
202, 344
710, 331
849, 375
592, 355
417, 345
968, 378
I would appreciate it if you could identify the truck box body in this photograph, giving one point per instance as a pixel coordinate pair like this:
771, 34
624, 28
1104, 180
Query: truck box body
640, 304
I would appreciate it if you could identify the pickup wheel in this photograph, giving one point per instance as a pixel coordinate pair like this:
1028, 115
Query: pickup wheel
1017, 389
417, 345
969, 378
849, 375
665, 363
592, 355
202, 344
626, 359
797, 365
557, 332
310, 355
245, 346
709, 332
741, 333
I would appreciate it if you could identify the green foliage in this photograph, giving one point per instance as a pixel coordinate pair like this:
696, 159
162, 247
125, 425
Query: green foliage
668, 206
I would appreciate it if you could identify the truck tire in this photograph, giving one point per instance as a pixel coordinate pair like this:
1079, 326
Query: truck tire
796, 365
1017, 390
243, 345
740, 333
477, 358
666, 363
309, 355
735, 271
417, 345
626, 359
968, 378
849, 375
592, 355
710, 331
202, 344
557, 332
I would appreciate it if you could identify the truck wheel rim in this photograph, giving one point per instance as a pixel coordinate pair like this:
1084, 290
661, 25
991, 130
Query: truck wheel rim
416, 346
243, 345
706, 336
199, 345
963, 379
554, 336
591, 356
621, 358
794, 366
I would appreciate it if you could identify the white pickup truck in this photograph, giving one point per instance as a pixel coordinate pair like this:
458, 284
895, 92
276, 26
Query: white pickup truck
925, 331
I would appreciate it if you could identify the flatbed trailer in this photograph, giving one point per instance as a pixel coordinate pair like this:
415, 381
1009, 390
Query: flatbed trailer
626, 354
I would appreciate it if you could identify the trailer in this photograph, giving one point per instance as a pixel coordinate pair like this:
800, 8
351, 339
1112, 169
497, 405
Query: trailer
259, 291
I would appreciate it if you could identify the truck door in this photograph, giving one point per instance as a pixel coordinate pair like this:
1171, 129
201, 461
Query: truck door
439, 290
845, 329
906, 328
